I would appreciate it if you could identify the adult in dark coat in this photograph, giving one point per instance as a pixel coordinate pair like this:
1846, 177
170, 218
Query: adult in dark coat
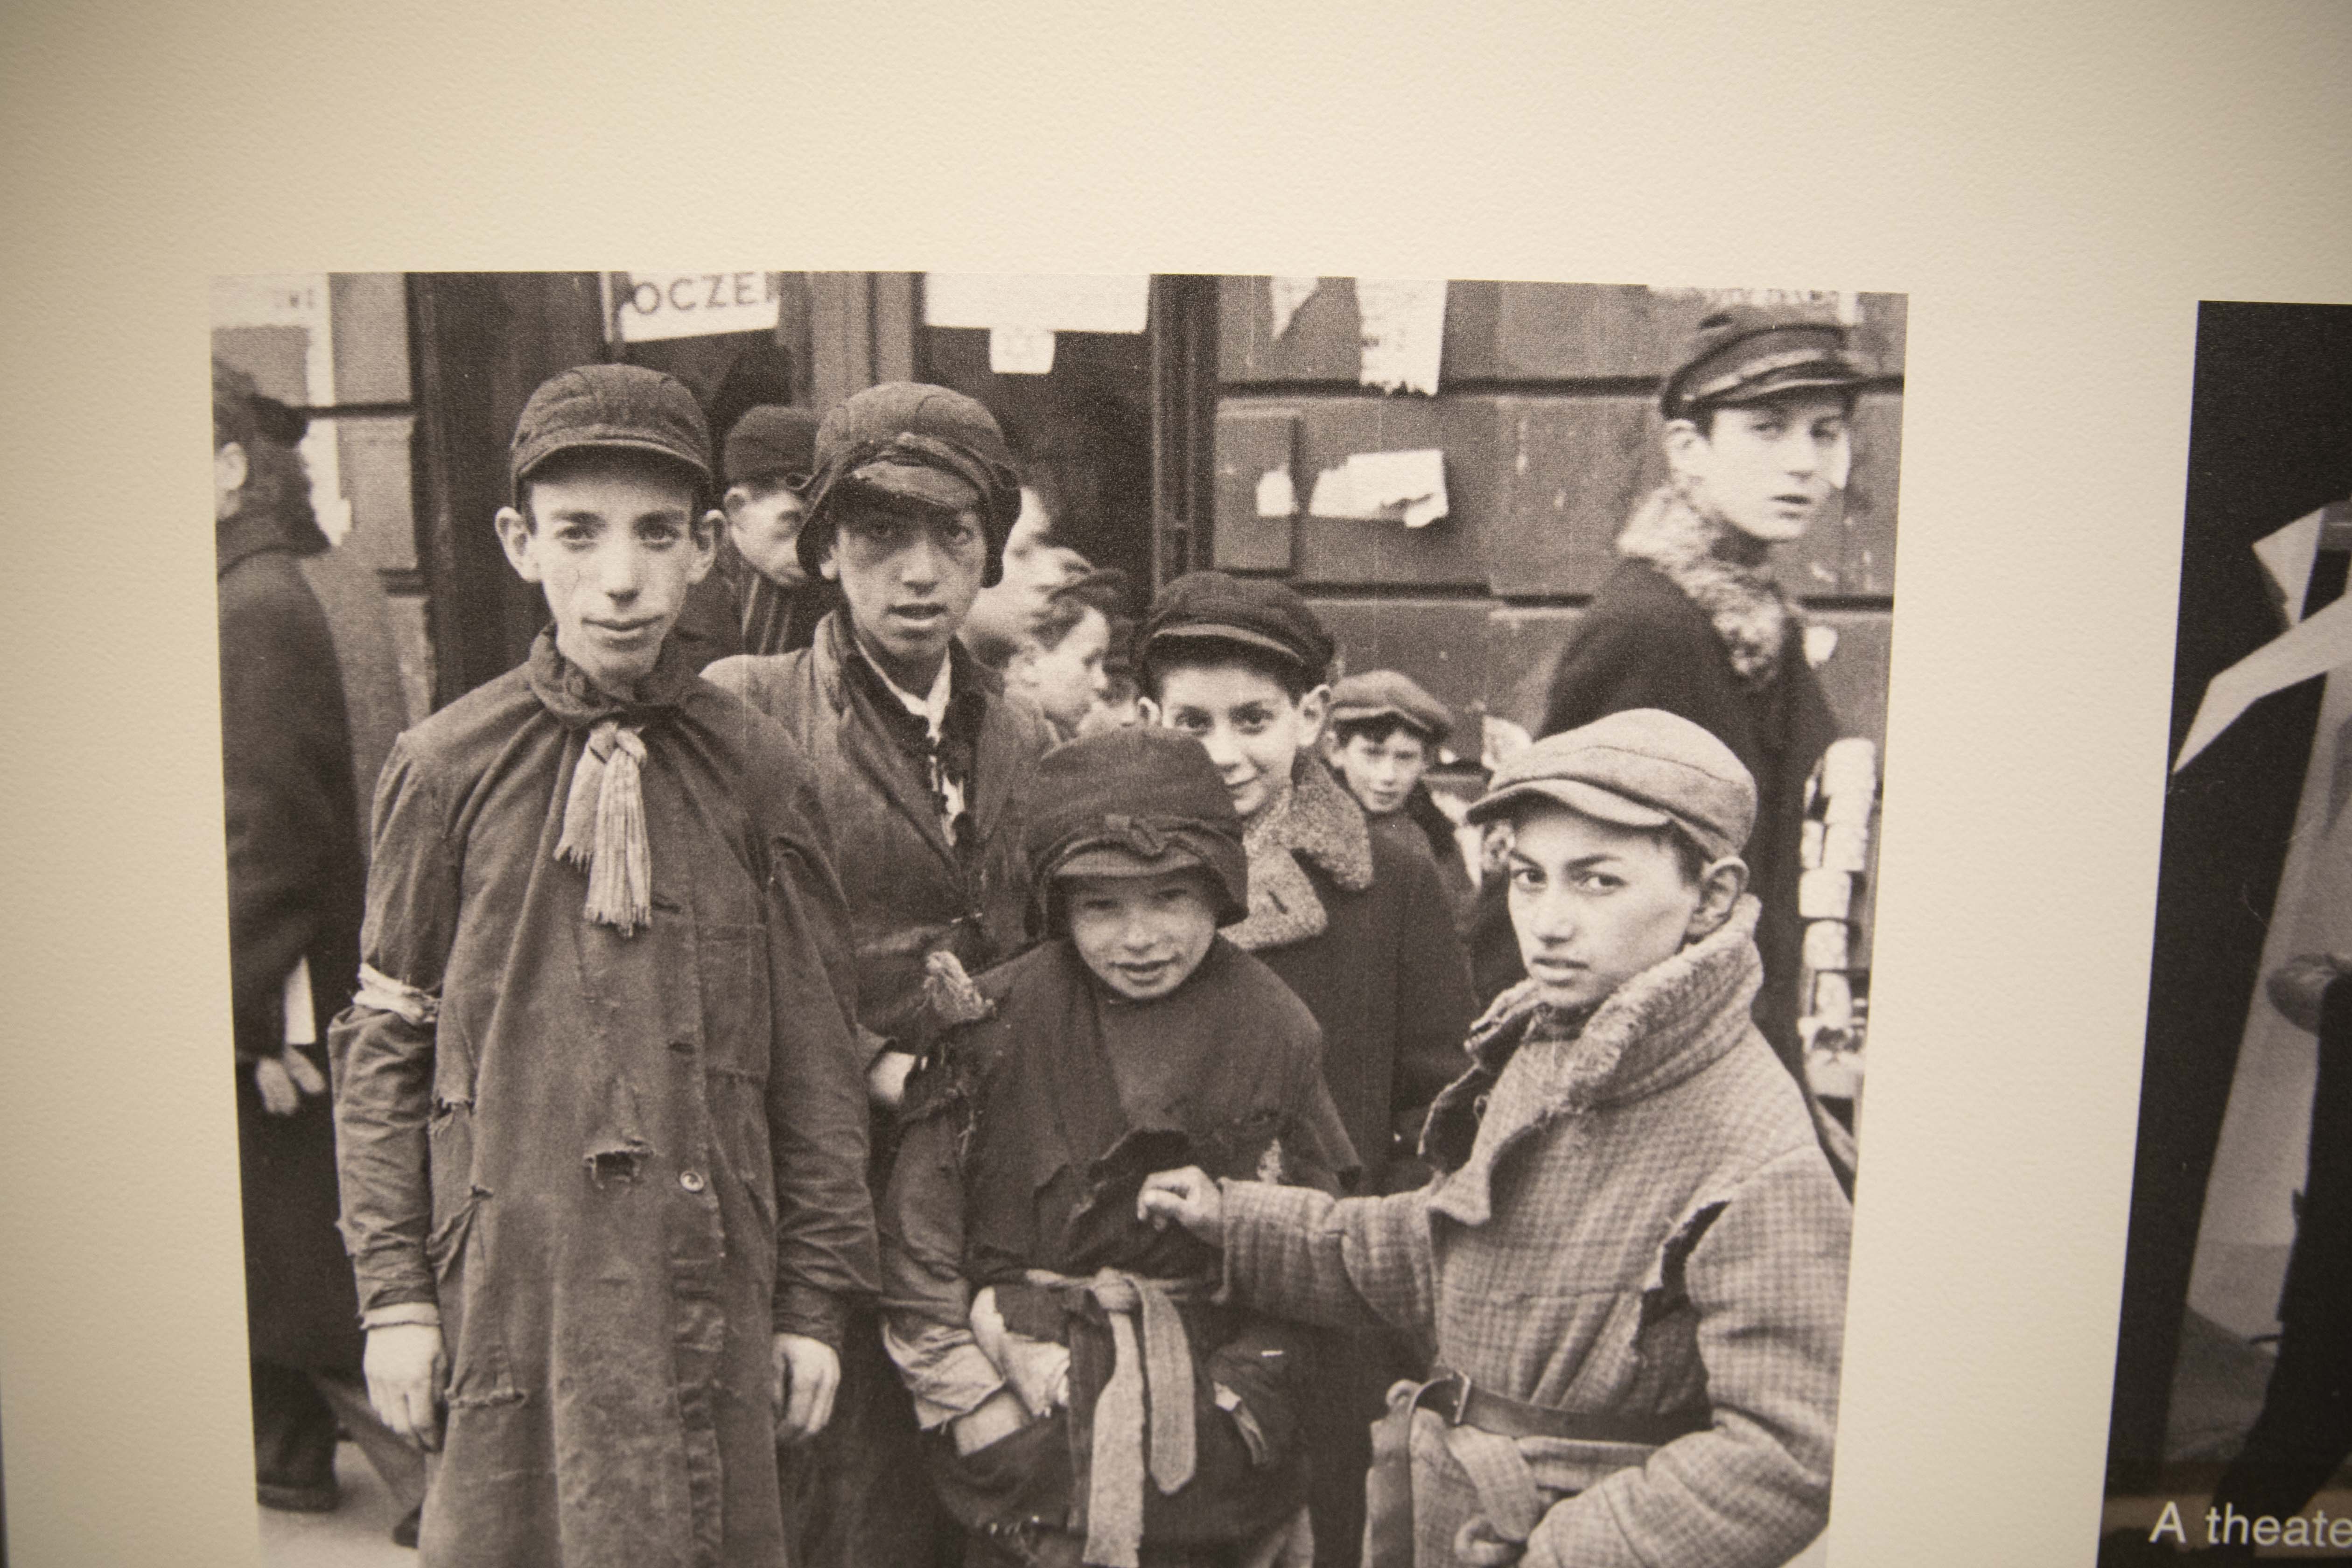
294, 887
1692, 622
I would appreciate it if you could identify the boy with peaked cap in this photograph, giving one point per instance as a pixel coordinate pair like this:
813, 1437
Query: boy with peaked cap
757, 598
1359, 929
1691, 621
1385, 731
1034, 1315
924, 767
1633, 1265
599, 1098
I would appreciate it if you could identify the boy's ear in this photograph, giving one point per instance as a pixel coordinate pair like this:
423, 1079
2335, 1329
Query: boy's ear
1684, 442
704, 535
1720, 887
521, 542
1149, 711
1313, 709
737, 498
828, 565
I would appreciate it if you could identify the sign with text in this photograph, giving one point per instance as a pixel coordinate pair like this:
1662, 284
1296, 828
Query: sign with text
648, 306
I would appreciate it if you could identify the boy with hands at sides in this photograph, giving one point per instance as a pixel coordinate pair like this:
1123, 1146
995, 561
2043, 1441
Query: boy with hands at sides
598, 1100
1631, 1265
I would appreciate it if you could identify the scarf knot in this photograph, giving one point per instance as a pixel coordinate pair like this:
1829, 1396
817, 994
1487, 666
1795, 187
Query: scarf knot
605, 827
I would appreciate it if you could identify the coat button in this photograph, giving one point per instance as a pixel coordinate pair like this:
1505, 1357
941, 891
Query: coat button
691, 1181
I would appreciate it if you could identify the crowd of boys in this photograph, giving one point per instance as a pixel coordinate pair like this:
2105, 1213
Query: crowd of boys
822, 1086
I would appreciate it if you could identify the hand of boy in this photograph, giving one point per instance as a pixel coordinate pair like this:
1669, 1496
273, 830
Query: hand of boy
406, 1369
1190, 1197
285, 1080
807, 1375
886, 1080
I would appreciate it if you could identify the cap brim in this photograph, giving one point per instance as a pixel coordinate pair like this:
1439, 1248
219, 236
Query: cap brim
1211, 631
1109, 860
919, 482
1772, 388
591, 441
1584, 799
1360, 712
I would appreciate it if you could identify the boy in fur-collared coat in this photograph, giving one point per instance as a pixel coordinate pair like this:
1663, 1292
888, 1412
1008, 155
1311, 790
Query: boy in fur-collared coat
1633, 1269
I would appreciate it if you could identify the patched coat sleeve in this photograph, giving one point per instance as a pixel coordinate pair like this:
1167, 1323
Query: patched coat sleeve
1335, 1262
1768, 1282
926, 1300
382, 1047
816, 1089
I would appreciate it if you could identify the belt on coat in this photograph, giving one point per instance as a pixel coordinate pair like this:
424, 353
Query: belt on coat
1151, 1368
1482, 1433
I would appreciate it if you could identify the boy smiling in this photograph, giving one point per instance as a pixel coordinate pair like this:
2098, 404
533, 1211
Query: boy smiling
599, 1115
1030, 1311
1356, 926
1632, 1267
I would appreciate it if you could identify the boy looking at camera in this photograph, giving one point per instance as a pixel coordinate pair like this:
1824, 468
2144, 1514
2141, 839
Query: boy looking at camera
1633, 1264
924, 765
598, 1104
1385, 731
1032, 1313
1358, 928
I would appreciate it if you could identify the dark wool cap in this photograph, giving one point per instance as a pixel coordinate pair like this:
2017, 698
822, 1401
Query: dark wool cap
1133, 801
772, 438
1376, 693
243, 412
624, 407
1255, 612
1748, 353
919, 443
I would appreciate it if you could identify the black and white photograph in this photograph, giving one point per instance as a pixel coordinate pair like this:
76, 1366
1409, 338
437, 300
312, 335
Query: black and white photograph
2232, 1412
941, 918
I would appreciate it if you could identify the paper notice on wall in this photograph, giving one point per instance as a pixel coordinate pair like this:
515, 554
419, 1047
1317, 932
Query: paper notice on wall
1020, 350
2313, 647
2287, 555
648, 307
1115, 302
1403, 332
1373, 485
1289, 293
1277, 497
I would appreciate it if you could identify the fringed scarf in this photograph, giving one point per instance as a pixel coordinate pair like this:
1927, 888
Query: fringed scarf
1723, 572
604, 808
1317, 819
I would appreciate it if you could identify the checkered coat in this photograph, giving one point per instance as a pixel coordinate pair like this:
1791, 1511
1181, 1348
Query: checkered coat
1644, 1223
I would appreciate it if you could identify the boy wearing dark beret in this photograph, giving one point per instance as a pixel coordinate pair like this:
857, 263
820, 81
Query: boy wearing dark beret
1096, 1403
1632, 1266
599, 1103
924, 767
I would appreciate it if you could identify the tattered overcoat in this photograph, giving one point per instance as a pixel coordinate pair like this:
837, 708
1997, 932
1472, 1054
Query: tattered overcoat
1643, 1225
617, 1163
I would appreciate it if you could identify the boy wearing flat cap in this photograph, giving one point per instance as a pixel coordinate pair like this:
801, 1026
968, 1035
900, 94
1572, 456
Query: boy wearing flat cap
1358, 928
1385, 730
925, 765
598, 1100
1691, 621
758, 599
1633, 1264
1034, 1316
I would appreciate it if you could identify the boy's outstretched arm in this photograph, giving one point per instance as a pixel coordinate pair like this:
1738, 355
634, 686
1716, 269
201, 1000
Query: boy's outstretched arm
1304, 1253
